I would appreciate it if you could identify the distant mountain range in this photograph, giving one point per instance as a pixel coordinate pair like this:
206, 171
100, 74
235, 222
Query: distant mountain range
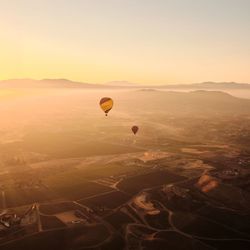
45, 83
121, 83
195, 86
64, 83
209, 85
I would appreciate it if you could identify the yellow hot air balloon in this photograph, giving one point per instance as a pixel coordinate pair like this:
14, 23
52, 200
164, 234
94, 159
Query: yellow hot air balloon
106, 104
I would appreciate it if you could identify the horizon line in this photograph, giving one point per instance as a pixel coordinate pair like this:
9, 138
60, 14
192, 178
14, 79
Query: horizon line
120, 81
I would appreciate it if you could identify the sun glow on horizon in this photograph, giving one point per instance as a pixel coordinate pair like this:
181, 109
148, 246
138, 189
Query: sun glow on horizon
148, 42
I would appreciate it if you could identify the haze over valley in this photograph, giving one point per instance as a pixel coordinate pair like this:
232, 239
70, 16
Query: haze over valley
66, 169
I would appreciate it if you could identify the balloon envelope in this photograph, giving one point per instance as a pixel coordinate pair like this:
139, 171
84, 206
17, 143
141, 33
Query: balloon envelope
135, 129
106, 104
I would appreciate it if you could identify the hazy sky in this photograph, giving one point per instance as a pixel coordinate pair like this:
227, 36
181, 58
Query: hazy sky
144, 41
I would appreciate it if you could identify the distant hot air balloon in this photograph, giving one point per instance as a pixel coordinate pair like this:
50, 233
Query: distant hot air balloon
106, 104
135, 129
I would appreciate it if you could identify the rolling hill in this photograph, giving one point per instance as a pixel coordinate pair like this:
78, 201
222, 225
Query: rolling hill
208, 85
65, 83
200, 102
45, 83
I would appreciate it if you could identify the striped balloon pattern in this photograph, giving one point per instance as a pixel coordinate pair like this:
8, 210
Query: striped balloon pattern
106, 104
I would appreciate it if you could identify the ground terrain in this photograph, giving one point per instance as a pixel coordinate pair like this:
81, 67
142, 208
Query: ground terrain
80, 180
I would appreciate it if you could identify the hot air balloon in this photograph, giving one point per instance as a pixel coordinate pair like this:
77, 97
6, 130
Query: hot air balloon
106, 104
135, 129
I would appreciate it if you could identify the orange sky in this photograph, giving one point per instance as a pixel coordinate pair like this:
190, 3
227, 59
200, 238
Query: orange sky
142, 41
